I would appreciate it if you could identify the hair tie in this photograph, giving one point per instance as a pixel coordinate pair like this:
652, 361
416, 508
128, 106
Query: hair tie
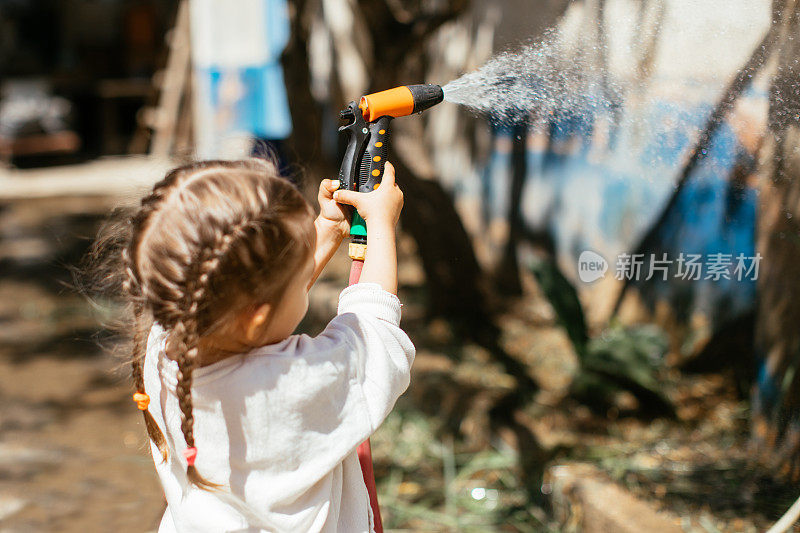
142, 400
190, 454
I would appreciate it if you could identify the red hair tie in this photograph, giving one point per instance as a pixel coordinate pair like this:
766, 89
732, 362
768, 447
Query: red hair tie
142, 400
190, 454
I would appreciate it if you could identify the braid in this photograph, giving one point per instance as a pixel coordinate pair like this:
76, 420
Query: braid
138, 347
186, 343
131, 287
153, 431
185, 330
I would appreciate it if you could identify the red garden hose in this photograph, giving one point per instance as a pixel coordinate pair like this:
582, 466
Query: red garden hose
364, 450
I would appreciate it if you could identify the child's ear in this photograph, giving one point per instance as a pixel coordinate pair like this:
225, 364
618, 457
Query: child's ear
254, 321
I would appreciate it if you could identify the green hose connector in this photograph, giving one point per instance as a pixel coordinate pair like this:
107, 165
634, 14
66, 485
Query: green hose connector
358, 238
358, 227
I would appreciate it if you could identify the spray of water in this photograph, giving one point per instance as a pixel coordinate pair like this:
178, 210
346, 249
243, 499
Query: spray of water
539, 80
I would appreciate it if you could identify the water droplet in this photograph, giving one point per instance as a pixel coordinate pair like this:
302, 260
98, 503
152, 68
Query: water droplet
478, 493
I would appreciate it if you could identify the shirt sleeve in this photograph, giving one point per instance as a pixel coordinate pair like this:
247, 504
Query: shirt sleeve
369, 321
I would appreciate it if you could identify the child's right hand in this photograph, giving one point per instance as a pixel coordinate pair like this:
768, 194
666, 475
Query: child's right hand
380, 207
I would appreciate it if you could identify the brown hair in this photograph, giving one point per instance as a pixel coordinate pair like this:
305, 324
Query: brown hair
210, 239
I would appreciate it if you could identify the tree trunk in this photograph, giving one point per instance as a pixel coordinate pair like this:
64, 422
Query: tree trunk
305, 141
776, 395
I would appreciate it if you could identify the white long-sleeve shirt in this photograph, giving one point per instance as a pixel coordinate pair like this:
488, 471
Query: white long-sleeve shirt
278, 427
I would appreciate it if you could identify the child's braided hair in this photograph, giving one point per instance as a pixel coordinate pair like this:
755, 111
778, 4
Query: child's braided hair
210, 239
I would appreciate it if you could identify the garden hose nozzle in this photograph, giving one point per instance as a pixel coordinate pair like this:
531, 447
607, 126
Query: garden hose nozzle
367, 127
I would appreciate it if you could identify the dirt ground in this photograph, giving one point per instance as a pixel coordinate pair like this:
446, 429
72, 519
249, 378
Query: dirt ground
71, 449
73, 453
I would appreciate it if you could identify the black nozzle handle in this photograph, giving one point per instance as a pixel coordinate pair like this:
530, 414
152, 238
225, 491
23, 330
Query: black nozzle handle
367, 148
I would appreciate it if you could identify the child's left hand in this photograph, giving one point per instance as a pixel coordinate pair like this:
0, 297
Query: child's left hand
332, 213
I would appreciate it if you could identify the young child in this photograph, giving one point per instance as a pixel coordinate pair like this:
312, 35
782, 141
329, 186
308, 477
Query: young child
253, 428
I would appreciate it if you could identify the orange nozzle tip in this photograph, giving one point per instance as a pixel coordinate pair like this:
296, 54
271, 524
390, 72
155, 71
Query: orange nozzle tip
397, 102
